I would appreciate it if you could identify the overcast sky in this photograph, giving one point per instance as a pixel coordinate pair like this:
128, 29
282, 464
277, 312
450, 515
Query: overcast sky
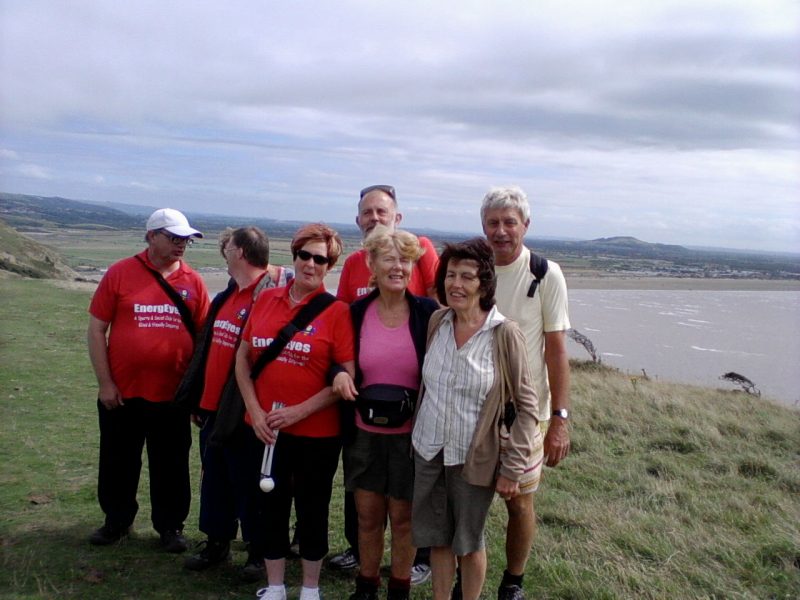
671, 121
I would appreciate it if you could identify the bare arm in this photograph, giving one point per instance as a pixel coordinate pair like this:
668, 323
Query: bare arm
556, 442
289, 415
107, 393
258, 417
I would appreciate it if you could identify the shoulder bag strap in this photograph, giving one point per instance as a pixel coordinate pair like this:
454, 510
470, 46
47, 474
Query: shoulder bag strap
186, 314
509, 409
307, 314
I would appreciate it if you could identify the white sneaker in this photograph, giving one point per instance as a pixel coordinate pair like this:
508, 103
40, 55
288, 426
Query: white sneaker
309, 593
273, 592
420, 573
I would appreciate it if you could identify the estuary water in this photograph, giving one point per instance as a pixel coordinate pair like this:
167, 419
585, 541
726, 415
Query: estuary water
695, 336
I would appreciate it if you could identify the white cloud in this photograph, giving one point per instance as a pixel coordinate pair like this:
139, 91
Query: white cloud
601, 110
34, 171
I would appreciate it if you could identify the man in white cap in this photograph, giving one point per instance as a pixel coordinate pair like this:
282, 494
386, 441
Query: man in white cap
142, 324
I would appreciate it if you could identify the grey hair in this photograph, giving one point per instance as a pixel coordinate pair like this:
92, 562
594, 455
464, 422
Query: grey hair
506, 197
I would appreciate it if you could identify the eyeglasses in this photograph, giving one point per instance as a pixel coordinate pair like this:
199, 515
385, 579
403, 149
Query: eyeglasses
176, 239
388, 189
318, 258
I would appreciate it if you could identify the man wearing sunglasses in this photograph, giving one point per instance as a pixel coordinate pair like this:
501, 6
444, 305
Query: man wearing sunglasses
378, 205
141, 336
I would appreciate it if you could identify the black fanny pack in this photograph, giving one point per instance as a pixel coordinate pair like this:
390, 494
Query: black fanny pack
386, 405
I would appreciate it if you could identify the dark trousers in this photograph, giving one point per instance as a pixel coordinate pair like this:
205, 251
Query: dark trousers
351, 522
123, 434
229, 486
304, 466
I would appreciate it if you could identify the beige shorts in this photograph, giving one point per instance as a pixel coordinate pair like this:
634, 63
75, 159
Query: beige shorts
529, 481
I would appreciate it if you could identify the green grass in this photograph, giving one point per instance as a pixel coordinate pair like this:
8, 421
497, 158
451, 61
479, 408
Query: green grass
671, 491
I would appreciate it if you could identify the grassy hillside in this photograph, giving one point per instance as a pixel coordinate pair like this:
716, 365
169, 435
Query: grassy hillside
671, 491
24, 256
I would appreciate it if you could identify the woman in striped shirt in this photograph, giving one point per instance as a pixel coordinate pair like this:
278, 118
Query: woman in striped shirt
475, 363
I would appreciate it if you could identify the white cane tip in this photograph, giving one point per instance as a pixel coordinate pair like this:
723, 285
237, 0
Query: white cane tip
267, 484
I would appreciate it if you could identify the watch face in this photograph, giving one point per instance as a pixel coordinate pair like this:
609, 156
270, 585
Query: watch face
561, 412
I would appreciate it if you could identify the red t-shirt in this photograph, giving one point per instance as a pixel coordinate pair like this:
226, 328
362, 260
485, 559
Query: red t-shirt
301, 369
354, 281
149, 347
228, 323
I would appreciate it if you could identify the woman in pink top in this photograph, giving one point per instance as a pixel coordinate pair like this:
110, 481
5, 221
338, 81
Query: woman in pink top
390, 327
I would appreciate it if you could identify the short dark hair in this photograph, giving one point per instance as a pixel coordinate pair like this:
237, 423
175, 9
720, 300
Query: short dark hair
476, 249
253, 242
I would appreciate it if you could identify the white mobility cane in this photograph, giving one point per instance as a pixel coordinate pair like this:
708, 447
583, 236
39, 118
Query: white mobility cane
267, 484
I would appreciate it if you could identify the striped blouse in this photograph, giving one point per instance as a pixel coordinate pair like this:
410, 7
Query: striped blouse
457, 381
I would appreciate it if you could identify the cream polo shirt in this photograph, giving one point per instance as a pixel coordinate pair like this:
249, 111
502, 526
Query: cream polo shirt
457, 381
548, 310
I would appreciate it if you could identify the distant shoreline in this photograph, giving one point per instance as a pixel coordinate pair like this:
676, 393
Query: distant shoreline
217, 280
617, 282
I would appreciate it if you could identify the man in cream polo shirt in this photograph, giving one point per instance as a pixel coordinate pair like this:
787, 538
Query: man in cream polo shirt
544, 319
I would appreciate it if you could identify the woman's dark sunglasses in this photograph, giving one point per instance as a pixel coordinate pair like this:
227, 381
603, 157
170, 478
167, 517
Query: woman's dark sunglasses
318, 258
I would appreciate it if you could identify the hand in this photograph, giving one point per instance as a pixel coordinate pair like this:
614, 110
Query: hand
556, 442
506, 488
344, 386
109, 396
260, 428
281, 418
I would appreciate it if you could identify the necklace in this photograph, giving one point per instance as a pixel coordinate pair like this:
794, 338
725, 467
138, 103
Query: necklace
293, 298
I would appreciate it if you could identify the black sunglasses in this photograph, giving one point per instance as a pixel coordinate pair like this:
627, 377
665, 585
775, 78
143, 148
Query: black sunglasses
318, 258
176, 239
384, 188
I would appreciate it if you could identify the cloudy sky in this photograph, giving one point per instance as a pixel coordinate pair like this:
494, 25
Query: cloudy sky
672, 121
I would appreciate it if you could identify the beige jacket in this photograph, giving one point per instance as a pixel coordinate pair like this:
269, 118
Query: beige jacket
482, 464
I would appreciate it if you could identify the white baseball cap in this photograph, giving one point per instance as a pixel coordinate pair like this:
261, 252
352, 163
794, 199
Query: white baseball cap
173, 221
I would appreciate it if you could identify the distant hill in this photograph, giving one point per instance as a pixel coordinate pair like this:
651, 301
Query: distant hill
35, 212
23, 256
623, 254
630, 246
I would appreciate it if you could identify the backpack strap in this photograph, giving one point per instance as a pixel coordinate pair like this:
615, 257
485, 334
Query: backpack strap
307, 314
186, 314
538, 267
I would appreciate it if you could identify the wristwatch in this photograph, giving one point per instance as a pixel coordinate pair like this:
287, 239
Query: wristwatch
561, 412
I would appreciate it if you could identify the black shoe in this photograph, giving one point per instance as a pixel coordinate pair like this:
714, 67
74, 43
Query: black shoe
397, 594
107, 535
173, 541
253, 569
510, 592
213, 553
344, 562
364, 595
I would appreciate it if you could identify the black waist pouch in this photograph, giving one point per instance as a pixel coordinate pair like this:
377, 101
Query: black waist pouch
386, 405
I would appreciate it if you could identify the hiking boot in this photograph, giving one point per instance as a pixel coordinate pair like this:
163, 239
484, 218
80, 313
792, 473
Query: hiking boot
173, 541
213, 553
510, 592
420, 573
253, 569
344, 562
273, 592
107, 535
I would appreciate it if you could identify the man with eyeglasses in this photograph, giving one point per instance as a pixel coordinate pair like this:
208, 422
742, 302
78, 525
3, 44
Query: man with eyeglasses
378, 205
142, 324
